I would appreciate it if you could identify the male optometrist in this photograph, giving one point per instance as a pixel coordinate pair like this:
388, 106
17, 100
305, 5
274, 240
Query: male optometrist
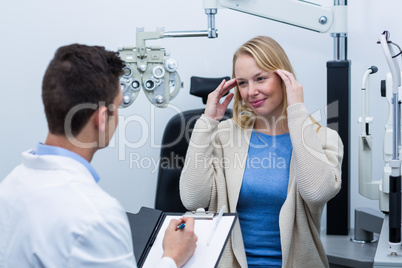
52, 211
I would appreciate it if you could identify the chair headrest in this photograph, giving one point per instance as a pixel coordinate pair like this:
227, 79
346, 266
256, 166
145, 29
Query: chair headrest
202, 86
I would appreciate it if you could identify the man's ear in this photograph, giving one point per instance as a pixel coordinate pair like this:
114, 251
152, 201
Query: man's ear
101, 116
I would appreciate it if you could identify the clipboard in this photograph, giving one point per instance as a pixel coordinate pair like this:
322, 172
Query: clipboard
148, 229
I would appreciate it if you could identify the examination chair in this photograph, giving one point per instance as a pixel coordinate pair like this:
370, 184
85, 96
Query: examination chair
174, 146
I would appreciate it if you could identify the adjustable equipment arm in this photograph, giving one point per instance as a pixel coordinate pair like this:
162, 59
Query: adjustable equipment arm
297, 13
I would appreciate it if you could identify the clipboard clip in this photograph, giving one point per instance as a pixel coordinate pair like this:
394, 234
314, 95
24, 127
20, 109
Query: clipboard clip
200, 213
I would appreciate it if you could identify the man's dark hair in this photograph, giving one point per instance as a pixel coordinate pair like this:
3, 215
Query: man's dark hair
79, 74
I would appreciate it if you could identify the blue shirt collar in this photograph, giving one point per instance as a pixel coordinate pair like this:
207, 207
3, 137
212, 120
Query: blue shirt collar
43, 149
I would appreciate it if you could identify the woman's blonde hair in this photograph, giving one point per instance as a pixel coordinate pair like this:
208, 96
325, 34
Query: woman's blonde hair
269, 56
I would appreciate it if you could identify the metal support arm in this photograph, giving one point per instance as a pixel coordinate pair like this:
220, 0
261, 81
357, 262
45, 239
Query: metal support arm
296, 13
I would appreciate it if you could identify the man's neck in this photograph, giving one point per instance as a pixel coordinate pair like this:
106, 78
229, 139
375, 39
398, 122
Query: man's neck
64, 142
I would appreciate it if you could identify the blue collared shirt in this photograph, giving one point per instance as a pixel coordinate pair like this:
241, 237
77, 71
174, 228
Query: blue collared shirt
43, 149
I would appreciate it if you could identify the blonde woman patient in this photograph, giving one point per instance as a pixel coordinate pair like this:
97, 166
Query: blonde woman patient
272, 163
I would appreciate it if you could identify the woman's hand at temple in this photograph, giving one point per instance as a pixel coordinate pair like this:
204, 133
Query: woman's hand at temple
215, 109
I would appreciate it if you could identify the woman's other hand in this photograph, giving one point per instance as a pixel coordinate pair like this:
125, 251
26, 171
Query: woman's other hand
215, 109
294, 90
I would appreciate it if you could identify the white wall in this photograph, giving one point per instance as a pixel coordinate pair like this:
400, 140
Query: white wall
31, 31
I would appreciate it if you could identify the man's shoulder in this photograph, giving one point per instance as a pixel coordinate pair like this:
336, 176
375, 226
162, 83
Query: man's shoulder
67, 195
101, 201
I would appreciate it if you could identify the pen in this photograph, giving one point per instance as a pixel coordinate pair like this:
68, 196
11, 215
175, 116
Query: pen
181, 226
216, 224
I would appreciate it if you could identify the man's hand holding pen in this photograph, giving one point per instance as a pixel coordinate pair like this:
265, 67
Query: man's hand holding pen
179, 243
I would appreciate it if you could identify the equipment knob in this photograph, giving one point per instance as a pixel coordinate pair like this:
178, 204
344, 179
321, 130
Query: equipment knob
159, 100
126, 99
171, 65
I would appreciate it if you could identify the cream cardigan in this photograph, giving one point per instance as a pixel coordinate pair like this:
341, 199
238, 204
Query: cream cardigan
213, 173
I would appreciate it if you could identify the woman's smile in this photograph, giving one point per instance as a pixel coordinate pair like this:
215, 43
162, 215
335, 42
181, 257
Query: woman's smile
257, 103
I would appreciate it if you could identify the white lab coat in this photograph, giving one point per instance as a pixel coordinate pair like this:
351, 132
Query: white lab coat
54, 214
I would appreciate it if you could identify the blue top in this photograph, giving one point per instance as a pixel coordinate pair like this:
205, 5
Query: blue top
43, 149
262, 194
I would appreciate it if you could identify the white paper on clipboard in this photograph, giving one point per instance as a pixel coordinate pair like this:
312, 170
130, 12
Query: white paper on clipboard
204, 256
